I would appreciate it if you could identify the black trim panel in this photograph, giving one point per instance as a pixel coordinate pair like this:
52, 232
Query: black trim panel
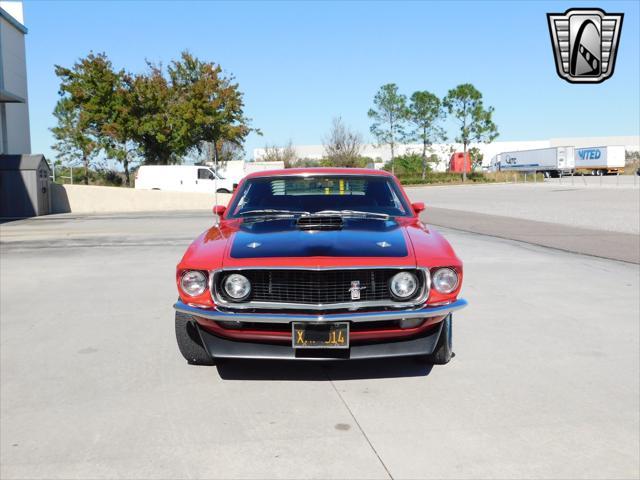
219, 347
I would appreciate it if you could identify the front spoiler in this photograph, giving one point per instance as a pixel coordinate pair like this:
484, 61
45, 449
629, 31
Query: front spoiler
355, 316
219, 347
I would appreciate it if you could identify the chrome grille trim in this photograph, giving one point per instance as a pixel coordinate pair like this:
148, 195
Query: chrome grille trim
352, 305
287, 318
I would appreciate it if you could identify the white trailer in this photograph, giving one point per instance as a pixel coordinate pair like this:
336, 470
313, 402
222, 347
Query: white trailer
600, 160
182, 178
550, 161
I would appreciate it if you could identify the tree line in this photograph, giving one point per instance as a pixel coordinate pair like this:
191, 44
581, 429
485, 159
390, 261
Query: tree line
191, 106
398, 119
155, 117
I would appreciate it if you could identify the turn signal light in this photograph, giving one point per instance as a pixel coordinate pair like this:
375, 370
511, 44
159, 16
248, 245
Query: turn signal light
411, 322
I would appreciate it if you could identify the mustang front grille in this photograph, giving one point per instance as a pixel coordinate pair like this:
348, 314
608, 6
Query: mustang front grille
320, 287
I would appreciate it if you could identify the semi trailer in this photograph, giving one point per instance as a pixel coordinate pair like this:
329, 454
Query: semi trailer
552, 162
600, 160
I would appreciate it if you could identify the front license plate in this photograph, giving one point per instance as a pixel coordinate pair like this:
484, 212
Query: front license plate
320, 335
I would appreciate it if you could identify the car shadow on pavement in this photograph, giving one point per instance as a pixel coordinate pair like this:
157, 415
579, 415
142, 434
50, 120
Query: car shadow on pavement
321, 372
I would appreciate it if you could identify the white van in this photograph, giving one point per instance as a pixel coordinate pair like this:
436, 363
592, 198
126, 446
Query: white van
182, 178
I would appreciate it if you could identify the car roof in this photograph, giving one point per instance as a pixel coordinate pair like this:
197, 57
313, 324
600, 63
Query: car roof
318, 171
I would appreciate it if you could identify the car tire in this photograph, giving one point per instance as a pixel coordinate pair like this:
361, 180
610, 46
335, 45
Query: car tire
223, 190
443, 352
189, 341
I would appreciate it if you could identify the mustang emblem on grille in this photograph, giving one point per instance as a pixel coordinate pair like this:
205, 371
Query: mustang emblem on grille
355, 289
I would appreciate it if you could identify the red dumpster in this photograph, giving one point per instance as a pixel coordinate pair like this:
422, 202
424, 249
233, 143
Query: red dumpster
457, 163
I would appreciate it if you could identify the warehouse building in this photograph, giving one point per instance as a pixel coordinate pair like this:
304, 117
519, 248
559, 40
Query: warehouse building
382, 154
14, 109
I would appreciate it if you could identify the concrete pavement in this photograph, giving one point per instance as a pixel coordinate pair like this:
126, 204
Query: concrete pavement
589, 241
544, 384
591, 207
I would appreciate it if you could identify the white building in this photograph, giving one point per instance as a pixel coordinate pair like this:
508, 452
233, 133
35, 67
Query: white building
14, 111
443, 151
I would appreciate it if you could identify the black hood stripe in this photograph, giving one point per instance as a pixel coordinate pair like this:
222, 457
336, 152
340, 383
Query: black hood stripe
370, 239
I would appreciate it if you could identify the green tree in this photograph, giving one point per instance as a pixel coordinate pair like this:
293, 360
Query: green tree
161, 130
227, 152
389, 116
86, 92
465, 104
210, 102
424, 113
192, 105
74, 140
119, 130
160, 115
101, 95
476, 156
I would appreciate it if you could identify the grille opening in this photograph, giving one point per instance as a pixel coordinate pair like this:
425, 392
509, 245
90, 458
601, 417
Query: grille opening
320, 222
313, 287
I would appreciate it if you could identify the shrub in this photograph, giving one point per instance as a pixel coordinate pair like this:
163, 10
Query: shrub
410, 165
473, 177
345, 162
111, 178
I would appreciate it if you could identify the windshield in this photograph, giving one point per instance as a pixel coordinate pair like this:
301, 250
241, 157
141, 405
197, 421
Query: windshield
335, 194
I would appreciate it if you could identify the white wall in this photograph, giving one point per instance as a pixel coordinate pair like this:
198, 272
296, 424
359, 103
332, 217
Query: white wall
13, 79
13, 8
444, 150
93, 199
630, 142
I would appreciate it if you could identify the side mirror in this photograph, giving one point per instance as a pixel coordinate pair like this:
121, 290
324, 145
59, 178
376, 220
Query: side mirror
219, 210
418, 207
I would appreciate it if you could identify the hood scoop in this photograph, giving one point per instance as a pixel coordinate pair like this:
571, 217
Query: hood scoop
320, 222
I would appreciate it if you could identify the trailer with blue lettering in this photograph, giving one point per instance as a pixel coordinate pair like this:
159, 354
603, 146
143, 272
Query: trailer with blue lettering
552, 162
600, 160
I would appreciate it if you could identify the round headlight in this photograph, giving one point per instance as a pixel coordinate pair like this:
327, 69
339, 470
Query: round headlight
404, 285
193, 283
237, 286
445, 280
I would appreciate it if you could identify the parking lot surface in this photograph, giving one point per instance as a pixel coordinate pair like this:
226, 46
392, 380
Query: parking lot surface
544, 383
580, 202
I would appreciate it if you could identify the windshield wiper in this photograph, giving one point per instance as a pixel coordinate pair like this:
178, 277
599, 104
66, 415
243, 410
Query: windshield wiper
272, 212
355, 213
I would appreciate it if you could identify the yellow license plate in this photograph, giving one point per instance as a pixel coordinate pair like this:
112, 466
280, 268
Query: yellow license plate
320, 335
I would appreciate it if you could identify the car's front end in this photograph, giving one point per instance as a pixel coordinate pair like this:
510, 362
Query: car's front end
323, 284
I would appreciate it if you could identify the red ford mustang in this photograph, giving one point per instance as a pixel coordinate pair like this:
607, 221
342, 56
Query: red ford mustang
318, 263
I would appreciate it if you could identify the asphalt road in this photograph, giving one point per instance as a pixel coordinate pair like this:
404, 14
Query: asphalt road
544, 383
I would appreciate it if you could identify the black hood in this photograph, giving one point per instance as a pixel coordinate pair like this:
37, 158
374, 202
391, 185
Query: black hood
356, 238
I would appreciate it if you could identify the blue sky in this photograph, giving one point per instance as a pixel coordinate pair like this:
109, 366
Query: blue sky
300, 64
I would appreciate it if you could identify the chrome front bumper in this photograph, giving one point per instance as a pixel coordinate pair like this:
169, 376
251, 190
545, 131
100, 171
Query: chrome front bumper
355, 316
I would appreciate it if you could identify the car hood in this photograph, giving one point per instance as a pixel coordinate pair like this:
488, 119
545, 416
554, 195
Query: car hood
356, 238
279, 243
